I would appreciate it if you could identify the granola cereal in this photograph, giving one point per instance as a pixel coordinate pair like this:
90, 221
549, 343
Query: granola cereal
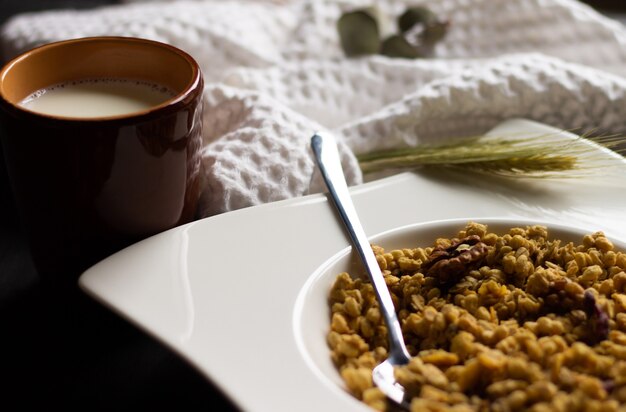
494, 323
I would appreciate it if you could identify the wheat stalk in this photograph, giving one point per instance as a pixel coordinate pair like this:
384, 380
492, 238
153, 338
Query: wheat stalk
543, 155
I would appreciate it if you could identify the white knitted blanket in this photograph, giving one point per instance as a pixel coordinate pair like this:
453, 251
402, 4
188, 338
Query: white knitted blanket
275, 73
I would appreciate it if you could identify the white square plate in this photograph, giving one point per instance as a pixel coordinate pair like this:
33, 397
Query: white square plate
226, 292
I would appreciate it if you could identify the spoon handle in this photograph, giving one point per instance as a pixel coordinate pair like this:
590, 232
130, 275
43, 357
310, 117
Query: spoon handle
325, 150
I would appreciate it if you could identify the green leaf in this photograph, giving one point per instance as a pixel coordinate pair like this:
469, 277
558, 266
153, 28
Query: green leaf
413, 16
434, 32
359, 33
398, 46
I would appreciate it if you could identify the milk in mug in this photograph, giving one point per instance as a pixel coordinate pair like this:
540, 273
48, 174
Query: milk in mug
94, 98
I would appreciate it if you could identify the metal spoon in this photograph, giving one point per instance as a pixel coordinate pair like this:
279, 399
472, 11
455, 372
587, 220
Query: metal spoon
327, 156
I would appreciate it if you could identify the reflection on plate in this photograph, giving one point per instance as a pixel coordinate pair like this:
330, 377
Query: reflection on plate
231, 293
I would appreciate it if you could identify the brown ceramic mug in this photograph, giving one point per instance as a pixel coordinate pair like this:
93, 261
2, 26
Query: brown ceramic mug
87, 187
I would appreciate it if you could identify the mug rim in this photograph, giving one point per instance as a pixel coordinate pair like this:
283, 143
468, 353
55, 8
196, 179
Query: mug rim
189, 92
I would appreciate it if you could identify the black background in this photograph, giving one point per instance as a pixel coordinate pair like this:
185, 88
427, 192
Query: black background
64, 350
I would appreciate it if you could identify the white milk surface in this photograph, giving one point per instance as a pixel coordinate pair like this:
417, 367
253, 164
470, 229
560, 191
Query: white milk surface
96, 98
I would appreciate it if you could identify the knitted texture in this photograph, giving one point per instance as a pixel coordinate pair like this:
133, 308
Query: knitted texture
275, 73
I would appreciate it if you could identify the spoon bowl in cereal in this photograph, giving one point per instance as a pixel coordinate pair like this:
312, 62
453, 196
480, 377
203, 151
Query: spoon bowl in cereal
327, 156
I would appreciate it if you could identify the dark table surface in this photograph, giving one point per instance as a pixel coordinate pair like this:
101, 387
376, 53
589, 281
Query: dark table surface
65, 350
62, 349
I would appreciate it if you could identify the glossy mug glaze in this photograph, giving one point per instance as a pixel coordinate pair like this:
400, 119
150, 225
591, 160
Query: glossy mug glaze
87, 187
